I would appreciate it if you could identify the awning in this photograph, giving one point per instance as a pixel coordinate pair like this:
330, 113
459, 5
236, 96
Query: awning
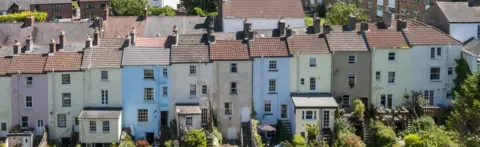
314, 102
185, 110
100, 113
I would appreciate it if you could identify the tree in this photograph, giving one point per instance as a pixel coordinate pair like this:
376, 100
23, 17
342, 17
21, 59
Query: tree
341, 124
419, 124
313, 130
384, 135
439, 136
338, 14
308, 21
159, 11
413, 140
258, 138
128, 7
348, 139
207, 5
195, 138
359, 109
280, 133
462, 70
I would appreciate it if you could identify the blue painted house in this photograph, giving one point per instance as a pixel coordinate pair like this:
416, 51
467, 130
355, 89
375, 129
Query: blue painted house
146, 88
271, 80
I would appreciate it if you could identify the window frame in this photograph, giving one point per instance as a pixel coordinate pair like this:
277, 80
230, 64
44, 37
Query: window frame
104, 75
437, 74
27, 101
192, 70
272, 86
326, 118
478, 31
272, 65
148, 94
103, 5
89, 5
369, 5
164, 91
450, 71
142, 115
193, 90
148, 74
58, 8
165, 73
312, 115
378, 76
302, 81
345, 103
267, 107
391, 78
416, 1
354, 76
29, 81
228, 108
350, 61
312, 62
204, 116
66, 79
233, 68
106, 126
92, 126
67, 99
62, 123
429, 95
233, 88
3, 126
24, 122
104, 97
204, 90
188, 121
392, 56
313, 84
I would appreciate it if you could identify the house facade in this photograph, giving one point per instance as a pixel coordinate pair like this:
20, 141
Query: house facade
314, 111
57, 9
6, 90
93, 8
100, 126
470, 52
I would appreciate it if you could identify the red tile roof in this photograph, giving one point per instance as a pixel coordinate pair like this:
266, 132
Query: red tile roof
120, 26
151, 42
307, 44
386, 38
268, 47
263, 9
27, 63
229, 50
4, 63
63, 61
428, 36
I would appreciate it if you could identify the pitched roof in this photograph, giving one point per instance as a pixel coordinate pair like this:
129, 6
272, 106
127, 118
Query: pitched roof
346, 41
120, 26
146, 56
189, 53
49, 1
152, 42
27, 63
428, 36
472, 47
271, 9
23, 4
40, 48
4, 63
100, 113
9, 32
111, 42
229, 50
386, 38
268, 47
63, 61
459, 11
163, 25
307, 44
75, 31
98, 57
192, 39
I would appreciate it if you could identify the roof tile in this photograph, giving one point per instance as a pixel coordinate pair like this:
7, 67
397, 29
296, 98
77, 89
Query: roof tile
4, 63
263, 9
189, 53
386, 38
120, 26
63, 61
151, 42
346, 41
27, 63
146, 56
229, 50
98, 57
307, 44
268, 47
428, 36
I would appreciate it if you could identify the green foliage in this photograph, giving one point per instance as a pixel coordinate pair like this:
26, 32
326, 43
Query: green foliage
413, 140
321, 10
338, 15
384, 135
419, 124
22, 16
75, 5
421, 100
342, 124
206, 5
195, 138
348, 139
199, 11
218, 135
128, 7
308, 21
299, 141
159, 11
258, 138
313, 130
114, 144
462, 70
359, 109
212, 14
439, 136
78, 145
339, 113
168, 143
280, 133
128, 142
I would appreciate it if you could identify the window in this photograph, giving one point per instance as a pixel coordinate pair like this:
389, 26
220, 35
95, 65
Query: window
188, 121
449, 94
435, 73
76, 121
165, 73
415, 15
204, 116
65, 78
272, 86
3, 127
429, 96
204, 90
478, 31
106, 126
89, 5
383, 100
302, 81
29, 81
312, 84
439, 51
142, 115
378, 76
193, 69
351, 80
233, 88
391, 77
93, 126
165, 91
37, 7
389, 100
104, 75
272, 65
352, 59
62, 120
66, 99
103, 5
404, 12
58, 8
391, 56
450, 71
233, 67
228, 109
432, 53
104, 97
435, 52
313, 62
148, 74
24, 122
303, 135
345, 100
270, 133
369, 6
309, 115
268, 106
193, 90
148, 94
416, 1
28, 102
326, 118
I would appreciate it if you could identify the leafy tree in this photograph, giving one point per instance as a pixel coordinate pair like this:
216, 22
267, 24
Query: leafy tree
384, 135
466, 113
195, 138
308, 21
359, 109
439, 136
313, 130
298, 141
199, 11
342, 124
413, 140
217, 135
348, 139
338, 14
419, 124
159, 11
258, 138
462, 70
206, 5
168, 143
128, 7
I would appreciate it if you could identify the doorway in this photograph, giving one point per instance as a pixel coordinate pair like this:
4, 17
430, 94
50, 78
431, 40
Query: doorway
283, 113
150, 137
39, 128
164, 118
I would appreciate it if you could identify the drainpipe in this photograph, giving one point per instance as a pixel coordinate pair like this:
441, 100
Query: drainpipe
53, 92
18, 97
298, 74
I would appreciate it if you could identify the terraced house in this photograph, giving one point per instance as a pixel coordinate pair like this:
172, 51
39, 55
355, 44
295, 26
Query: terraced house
5, 89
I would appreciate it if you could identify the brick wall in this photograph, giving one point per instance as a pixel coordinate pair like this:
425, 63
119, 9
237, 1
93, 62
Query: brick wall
65, 10
95, 11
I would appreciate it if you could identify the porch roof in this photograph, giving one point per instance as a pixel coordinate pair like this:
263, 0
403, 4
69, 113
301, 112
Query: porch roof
186, 110
100, 113
314, 102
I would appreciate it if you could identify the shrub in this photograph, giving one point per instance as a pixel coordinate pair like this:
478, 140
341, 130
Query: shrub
299, 141
312, 130
217, 134
308, 21
212, 14
199, 11
162, 11
342, 124
422, 123
384, 135
258, 138
195, 138
439, 136
75, 5
280, 133
168, 143
412, 140
359, 109
348, 139
20, 17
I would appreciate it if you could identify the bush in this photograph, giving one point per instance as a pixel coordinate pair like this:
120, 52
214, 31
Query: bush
308, 21
439, 136
342, 124
299, 141
258, 138
212, 14
159, 11
195, 138
218, 135
312, 131
422, 123
412, 140
168, 143
348, 139
199, 11
21, 17
280, 133
384, 135
359, 109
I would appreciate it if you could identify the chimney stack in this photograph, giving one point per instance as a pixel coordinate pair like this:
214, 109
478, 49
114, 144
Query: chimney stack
16, 48
63, 40
29, 43
53, 46
281, 26
29, 21
352, 22
106, 12
326, 28
247, 27
132, 36
126, 42
317, 25
387, 18
289, 32
175, 35
364, 26
145, 12
88, 42
96, 37
211, 33
401, 24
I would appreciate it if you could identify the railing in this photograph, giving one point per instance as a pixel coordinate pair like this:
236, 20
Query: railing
430, 110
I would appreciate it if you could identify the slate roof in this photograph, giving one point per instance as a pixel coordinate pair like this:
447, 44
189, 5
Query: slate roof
472, 47
429, 36
163, 26
257, 33
40, 48
24, 4
268, 47
134, 55
27, 63
63, 61
9, 32
346, 41
189, 54
122, 25
75, 31
111, 42
229, 50
188, 110
459, 11
48, 1
192, 39
307, 44
386, 38
4, 63
98, 57
270, 9
314, 102
152, 42
100, 113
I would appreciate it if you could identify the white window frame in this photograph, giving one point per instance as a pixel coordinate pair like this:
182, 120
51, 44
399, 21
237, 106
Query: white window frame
40, 123
392, 56
148, 93
350, 57
233, 88
193, 90
403, 12
369, 5
272, 86
106, 126
313, 115
391, 78
142, 115
354, 76
272, 65
148, 73
62, 120
204, 90
433, 74
28, 81
204, 116
104, 97
233, 68
313, 84
165, 72
378, 75
188, 121
24, 122
267, 106
228, 108
192, 70
66, 99
165, 91
345, 100
313, 62
66, 79
450, 71
326, 118
92, 126
429, 95
28, 101
435, 52
103, 75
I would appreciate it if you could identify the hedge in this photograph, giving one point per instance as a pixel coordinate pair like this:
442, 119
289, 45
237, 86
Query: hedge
20, 17
165, 11
384, 135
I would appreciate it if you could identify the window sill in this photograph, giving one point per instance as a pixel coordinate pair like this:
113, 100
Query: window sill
273, 70
61, 126
309, 119
149, 79
227, 115
231, 94
28, 108
313, 66
149, 101
391, 84
267, 113
351, 62
91, 132
66, 106
106, 132
142, 123
192, 74
435, 81
193, 96
28, 86
104, 80
272, 92
65, 83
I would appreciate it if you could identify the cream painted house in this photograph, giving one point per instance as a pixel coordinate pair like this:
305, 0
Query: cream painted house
5, 98
100, 126
314, 109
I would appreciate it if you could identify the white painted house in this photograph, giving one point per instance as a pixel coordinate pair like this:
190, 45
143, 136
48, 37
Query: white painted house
5, 97
471, 52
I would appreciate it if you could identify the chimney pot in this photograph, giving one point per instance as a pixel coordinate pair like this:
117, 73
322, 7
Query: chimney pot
88, 42
281, 26
387, 18
29, 43
246, 29
317, 24
175, 35
53, 46
16, 48
106, 12
132, 36
289, 32
29, 21
352, 22
326, 28
96, 37
364, 26
126, 42
63, 40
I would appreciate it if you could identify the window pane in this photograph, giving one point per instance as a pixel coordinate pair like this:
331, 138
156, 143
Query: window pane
148, 74
193, 90
142, 115
312, 84
272, 85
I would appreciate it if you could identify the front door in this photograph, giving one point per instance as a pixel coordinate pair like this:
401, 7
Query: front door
75, 127
150, 137
39, 128
164, 118
246, 114
326, 119
283, 113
